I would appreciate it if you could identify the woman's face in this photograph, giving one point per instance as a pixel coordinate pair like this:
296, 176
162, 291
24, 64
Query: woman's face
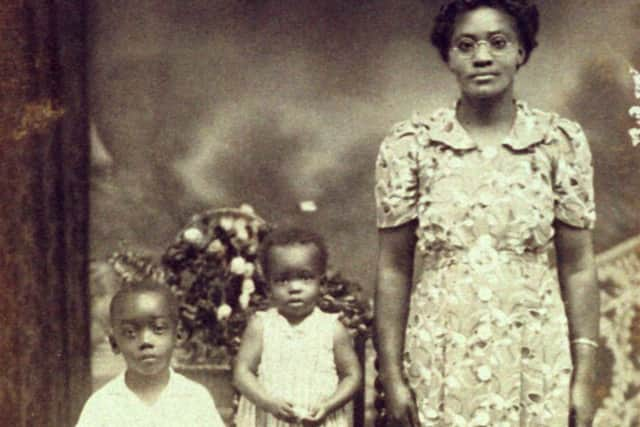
485, 52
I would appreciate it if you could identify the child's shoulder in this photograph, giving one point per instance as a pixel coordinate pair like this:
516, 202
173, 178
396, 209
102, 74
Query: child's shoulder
115, 386
96, 408
326, 317
186, 386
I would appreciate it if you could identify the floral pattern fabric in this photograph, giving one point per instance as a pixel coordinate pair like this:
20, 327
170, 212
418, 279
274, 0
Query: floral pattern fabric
297, 365
487, 335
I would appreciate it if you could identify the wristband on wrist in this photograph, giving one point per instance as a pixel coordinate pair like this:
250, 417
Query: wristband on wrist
585, 341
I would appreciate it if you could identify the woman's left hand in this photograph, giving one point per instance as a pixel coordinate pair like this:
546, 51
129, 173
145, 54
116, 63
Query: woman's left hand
583, 405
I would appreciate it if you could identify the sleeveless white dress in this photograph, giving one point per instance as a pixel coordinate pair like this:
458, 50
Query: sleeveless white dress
297, 364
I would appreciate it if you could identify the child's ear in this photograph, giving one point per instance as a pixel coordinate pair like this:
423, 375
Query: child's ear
113, 344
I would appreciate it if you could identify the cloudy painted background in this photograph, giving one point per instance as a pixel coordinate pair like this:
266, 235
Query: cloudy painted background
202, 103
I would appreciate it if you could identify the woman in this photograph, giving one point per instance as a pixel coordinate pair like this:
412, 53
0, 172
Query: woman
492, 334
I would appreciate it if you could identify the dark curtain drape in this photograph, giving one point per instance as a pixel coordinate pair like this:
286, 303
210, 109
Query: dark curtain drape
44, 165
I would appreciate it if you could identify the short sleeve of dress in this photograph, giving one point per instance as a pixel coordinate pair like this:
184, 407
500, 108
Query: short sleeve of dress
396, 188
573, 177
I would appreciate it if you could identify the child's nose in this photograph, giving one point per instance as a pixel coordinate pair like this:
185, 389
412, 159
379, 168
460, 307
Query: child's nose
146, 337
295, 286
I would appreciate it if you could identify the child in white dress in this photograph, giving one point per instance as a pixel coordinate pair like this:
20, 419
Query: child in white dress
296, 365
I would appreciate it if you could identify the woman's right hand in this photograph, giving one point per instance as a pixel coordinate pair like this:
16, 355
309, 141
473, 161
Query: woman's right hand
281, 409
401, 405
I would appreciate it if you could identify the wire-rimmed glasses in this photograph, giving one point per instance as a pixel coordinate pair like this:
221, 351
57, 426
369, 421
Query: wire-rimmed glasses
497, 45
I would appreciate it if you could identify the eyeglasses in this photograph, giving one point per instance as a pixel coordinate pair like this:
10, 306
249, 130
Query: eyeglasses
467, 47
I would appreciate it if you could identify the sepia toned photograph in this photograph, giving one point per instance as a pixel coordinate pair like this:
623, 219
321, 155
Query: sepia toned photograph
272, 213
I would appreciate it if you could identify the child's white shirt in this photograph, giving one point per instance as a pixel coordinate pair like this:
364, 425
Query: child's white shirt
182, 403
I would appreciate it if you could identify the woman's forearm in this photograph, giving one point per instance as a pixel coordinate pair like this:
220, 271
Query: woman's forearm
578, 281
391, 308
582, 299
393, 286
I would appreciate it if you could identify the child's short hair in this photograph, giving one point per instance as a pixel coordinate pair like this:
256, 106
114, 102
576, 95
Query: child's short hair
288, 237
143, 286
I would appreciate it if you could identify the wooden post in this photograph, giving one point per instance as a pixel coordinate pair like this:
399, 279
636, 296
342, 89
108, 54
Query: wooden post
44, 177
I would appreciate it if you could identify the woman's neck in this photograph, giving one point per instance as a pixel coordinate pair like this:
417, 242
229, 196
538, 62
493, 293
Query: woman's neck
484, 112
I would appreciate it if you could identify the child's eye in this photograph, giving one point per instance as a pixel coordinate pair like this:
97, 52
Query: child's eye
129, 333
281, 281
160, 328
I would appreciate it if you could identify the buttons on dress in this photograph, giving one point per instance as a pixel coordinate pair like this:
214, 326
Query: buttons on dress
489, 152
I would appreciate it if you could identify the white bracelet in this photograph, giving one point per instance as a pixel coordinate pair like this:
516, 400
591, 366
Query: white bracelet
585, 341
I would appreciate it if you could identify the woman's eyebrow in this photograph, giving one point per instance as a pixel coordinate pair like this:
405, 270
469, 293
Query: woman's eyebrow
476, 36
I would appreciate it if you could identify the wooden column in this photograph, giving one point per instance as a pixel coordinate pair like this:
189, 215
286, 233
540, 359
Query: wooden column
44, 173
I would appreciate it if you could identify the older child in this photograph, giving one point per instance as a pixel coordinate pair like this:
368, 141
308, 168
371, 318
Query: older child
296, 364
144, 319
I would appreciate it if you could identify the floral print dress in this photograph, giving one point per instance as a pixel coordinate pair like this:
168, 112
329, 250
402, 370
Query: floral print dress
487, 336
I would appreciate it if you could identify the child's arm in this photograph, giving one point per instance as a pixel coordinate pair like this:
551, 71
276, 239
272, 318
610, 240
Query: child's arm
349, 372
244, 374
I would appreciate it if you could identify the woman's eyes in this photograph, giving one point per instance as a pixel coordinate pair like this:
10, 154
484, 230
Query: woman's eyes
466, 45
498, 42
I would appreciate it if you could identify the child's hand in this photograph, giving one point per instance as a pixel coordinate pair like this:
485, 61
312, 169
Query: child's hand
282, 409
316, 415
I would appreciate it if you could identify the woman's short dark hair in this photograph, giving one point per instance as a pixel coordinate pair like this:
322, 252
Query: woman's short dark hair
289, 237
523, 11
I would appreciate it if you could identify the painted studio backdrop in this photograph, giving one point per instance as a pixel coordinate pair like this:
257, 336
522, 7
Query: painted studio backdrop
282, 105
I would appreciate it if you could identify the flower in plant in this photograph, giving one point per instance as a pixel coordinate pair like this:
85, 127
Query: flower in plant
247, 208
238, 265
248, 286
194, 236
249, 268
216, 247
226, 223
223, 312
244, 299
240, 227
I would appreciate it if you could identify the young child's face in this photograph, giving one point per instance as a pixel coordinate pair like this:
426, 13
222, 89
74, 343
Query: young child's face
144, 330
295, 275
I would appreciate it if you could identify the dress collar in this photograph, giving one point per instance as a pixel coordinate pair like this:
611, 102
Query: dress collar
303, 327
529, 128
